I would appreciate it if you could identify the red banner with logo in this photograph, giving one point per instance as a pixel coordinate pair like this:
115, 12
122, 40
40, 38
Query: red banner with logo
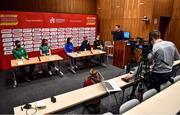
31, 27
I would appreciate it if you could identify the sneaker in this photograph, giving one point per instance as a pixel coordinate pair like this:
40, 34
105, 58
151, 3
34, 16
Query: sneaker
72, 67
27, 79
57, 69
103, 64
60, 72
76, 66
40, 71
50, 73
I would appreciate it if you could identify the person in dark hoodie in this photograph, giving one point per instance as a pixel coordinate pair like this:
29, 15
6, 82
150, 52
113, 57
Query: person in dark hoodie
69, 48
85, 45
98, 44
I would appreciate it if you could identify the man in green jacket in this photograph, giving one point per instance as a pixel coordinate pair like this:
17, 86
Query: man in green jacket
20, 53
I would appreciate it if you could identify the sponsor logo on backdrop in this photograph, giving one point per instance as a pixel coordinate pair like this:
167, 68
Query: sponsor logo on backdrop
56, 20
56, 37
91, 21
8, 19
31, 37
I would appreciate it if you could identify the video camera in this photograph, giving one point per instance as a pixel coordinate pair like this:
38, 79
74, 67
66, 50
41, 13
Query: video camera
146, 46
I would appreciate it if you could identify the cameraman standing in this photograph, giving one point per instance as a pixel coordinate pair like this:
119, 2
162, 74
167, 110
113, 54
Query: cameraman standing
163, 55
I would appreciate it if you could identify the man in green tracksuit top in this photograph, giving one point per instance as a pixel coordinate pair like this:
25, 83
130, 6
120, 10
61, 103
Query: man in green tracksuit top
20, 53
45, 50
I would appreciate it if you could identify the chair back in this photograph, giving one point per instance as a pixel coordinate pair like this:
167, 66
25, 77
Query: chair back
165, 85
128, 105
107, 43
177, 78
149, 94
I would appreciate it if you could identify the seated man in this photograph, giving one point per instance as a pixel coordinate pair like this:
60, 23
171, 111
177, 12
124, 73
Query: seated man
93, 78
20, 53
45, 50
98, 44
69, 48
85, 45
163, 55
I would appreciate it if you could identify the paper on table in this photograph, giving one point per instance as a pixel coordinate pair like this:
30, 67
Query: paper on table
20, 62
51, 57
78, 54
100, 51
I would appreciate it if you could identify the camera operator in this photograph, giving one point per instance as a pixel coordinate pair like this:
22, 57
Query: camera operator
162, 56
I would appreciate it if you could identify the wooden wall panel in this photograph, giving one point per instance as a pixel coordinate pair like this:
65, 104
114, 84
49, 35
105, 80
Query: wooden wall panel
64, 6
163, 8
173, 33
126, 13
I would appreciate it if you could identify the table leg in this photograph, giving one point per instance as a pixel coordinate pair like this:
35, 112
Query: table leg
116, 99
14, 79
60, 72
122, 97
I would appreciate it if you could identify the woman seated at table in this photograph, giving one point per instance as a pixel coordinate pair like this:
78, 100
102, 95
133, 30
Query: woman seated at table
98, 44
69, 48
44, 51
20, 53
85, 45
93, 78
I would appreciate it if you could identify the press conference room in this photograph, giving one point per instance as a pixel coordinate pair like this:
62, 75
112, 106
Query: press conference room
90, 57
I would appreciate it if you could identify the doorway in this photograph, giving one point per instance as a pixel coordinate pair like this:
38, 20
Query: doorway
163, 25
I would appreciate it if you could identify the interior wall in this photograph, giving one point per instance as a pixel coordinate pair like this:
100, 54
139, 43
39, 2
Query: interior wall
161, 8
173, 32
126, 13
63, 6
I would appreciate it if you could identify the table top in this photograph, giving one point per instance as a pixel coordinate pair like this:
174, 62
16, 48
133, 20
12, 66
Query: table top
165, 102
34, 60
72, 98
86, 53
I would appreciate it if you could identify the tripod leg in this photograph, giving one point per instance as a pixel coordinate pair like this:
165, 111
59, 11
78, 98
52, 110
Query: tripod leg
133, 91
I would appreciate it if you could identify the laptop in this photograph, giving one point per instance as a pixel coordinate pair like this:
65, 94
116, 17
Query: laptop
109, 85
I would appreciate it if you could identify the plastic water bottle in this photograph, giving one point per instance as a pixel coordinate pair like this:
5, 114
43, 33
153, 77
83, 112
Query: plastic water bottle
91, 48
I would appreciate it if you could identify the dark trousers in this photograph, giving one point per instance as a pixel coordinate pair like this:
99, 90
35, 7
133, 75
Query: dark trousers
156, 79
50, 64
31, 70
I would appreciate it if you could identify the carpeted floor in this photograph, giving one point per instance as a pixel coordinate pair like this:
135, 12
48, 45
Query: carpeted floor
45, 86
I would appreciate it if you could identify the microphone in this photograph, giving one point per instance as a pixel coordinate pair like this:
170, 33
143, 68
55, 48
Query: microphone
39, 58
91, 51
27, 58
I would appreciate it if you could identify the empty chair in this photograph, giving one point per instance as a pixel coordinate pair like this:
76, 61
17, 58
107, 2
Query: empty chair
177, 78
109, 48
108, 113
149, 94
128, 105
165, 85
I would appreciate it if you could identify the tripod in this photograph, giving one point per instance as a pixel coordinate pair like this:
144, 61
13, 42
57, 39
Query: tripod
139, 79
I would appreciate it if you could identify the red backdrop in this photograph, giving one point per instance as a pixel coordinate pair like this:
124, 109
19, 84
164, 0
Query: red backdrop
32, 27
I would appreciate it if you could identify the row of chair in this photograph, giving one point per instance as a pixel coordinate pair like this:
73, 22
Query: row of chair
133, 102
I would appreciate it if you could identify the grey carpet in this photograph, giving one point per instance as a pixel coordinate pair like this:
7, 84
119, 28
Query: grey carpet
45, 86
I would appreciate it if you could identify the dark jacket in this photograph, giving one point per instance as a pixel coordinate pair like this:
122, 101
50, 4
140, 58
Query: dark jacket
85, 45
118, 35
97, 43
